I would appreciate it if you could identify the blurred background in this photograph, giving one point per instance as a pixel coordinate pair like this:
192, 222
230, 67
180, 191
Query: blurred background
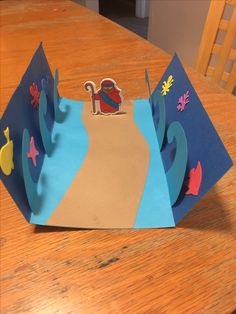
174, 26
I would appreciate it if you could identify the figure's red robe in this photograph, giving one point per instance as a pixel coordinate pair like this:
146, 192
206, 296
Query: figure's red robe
105, 106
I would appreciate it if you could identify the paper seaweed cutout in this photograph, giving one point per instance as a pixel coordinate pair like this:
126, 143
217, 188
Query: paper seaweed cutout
166, 85
30, 186
6, 154
45, 133
194, 180
183, 101
45, 85
108, 96
35, 94
159, 116
33, 152
175, 175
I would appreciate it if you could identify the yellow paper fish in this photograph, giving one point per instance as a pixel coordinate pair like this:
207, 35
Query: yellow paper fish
6, 154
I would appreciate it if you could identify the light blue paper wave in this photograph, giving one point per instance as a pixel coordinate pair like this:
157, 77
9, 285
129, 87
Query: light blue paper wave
154, 210
69, 154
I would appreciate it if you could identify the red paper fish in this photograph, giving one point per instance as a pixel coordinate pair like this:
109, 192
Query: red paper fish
194, 181
35, 94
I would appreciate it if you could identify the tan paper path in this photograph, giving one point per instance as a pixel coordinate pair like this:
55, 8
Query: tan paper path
107, 190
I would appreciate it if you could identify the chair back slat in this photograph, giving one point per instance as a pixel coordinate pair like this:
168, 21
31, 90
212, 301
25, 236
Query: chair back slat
232, 79
209, 34
225, 49
224, 53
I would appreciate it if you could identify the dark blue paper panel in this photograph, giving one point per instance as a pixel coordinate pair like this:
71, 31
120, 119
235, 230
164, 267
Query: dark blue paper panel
21, 114
204, 144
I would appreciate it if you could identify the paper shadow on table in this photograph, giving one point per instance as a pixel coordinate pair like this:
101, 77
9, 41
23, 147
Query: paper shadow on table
46, 229
208, 214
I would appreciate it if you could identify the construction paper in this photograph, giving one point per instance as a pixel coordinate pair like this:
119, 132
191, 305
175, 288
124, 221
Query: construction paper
34, 199
107, 189
6, 154
203, 142
183, 101
21, 114
77, 164
167, 85
45, 85
159, 116
35, 93
154, 209
60, 115
59, 171
194, 180
69, 194
175, 174
44, 131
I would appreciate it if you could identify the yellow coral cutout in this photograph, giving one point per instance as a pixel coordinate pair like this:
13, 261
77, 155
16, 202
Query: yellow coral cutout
166, 85
6, 154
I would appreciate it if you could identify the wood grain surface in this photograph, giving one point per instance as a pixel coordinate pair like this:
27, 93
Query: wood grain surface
189, 269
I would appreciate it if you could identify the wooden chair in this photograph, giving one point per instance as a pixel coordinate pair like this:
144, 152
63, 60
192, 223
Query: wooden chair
223, 52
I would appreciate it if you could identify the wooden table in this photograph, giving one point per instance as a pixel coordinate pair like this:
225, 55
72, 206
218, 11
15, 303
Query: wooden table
190, 269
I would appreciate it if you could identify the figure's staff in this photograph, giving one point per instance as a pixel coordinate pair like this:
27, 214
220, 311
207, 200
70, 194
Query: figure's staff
90, 87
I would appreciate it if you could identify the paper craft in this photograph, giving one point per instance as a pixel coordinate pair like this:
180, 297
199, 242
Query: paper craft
145, 168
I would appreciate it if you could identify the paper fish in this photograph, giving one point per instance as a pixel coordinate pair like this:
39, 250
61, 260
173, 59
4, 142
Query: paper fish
6, 154
194, 181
